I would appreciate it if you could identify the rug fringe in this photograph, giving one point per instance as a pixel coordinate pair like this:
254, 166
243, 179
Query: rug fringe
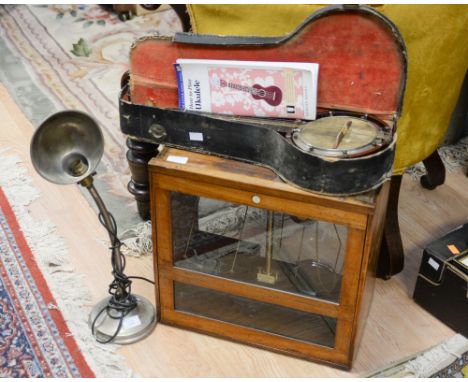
51, 255
453, 157
438, 357
425, 363
137, 241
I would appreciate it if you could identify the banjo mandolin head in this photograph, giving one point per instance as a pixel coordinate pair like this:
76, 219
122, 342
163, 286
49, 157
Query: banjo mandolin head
338, 136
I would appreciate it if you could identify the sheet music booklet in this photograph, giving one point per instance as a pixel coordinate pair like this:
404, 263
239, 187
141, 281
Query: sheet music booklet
248, 88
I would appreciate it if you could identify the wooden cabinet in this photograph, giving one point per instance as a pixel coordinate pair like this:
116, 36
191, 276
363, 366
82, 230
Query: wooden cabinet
240, 254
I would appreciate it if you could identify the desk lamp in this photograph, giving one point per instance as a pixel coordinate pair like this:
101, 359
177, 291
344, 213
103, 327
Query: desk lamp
65, 149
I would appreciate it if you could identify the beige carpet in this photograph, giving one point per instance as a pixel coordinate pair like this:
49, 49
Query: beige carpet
56, 57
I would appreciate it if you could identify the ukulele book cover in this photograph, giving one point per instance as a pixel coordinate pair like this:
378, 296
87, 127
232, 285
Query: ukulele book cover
248, 88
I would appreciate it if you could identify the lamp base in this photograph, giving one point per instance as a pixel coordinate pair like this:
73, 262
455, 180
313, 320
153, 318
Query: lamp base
136, 325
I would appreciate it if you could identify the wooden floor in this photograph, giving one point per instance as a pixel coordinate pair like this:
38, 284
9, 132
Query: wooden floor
396, 328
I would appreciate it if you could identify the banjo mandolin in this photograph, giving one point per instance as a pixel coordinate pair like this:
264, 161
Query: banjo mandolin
349, 149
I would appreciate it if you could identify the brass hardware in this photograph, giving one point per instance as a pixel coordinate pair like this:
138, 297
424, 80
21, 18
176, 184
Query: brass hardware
78, 167
341, 134
87, 182
428, 280
256, 199
157, 131
267, 276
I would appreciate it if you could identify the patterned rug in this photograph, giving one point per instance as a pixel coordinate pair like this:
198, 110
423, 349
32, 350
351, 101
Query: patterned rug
446, 360
56, 57
43, 304
34, 339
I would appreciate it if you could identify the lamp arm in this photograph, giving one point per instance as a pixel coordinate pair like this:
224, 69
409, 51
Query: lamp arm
88, 183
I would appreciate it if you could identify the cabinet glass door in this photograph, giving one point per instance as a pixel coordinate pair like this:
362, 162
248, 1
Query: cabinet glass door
275, 319
257, 246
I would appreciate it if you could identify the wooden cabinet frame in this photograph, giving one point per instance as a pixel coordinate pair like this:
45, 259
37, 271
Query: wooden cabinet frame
212, 177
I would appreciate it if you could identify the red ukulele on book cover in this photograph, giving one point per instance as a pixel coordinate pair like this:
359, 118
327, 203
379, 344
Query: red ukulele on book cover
257, 92
271, 94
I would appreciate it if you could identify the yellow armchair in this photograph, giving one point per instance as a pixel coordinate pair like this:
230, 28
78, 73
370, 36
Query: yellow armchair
435, 37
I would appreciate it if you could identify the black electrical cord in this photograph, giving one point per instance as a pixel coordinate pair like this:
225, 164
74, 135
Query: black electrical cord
122, 302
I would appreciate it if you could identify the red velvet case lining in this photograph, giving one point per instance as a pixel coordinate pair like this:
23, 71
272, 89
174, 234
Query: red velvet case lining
362, 66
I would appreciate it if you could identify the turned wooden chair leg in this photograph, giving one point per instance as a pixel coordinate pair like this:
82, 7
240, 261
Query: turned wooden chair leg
435, 171
180, 10
392, 257
138, 155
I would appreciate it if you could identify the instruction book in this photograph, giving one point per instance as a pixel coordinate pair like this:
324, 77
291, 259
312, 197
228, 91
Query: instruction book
248, 88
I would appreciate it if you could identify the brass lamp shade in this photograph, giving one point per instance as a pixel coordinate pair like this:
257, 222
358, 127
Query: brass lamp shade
67, 147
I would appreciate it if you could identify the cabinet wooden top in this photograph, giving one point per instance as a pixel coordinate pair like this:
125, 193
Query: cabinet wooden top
249, 177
